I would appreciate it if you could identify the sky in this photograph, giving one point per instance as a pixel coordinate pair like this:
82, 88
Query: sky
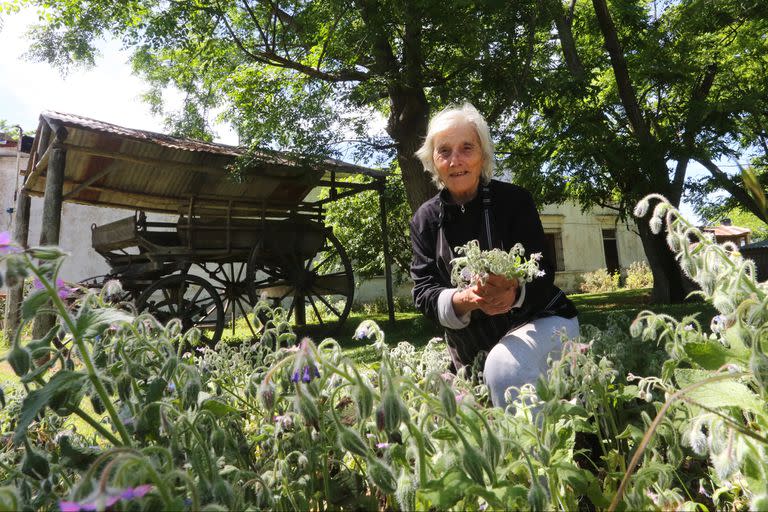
107, 92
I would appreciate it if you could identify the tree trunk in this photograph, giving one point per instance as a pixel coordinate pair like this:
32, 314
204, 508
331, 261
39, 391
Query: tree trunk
668, 283
407, 125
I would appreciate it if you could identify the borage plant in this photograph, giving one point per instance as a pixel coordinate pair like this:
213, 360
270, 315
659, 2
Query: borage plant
476, 265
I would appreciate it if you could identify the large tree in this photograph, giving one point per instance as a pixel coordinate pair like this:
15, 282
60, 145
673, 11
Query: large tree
630, 92
310, 75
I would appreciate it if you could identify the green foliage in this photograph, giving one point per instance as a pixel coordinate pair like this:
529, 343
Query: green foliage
632, 421
745, 219
600, 281
356, 222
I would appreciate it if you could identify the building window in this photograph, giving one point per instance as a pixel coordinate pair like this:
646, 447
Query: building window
611, 250
555, 250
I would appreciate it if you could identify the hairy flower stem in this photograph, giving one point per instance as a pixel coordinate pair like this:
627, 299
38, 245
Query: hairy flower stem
84, 355
613, 429
419, 438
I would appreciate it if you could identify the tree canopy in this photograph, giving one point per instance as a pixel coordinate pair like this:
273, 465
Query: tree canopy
310, 75
629, 94
597, 101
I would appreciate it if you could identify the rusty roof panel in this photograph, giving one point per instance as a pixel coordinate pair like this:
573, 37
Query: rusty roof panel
111, 165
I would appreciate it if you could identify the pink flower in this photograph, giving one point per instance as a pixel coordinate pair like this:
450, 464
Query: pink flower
7, 245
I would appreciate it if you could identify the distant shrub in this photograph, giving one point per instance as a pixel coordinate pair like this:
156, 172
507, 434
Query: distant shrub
639, 275
379, 305
600, 281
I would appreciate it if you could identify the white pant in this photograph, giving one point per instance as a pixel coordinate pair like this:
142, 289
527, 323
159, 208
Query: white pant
521, 355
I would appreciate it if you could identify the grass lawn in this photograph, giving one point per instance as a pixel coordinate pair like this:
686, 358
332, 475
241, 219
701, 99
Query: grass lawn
593, 309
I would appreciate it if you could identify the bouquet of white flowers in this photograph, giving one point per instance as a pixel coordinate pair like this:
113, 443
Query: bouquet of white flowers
476, 265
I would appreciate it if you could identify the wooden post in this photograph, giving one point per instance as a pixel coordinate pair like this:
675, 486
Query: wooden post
16, 293
387, 259
51, 221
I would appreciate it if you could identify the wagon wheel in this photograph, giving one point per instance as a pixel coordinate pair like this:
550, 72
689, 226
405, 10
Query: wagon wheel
231, 285
320, 284
190, 298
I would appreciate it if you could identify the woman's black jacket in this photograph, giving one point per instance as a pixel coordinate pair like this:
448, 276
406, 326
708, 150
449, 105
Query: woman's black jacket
513, 219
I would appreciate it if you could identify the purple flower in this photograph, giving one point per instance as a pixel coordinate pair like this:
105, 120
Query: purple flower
362, 332
306, 377
62, 290
382, 446
295, 376
105, 500
7, 246
73, 506
134, 492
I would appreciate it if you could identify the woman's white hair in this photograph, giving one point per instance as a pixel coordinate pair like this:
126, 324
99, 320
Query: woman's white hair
447, 118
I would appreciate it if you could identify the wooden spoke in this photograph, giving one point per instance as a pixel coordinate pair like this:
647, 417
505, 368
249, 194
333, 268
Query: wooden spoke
315, 288
187, 297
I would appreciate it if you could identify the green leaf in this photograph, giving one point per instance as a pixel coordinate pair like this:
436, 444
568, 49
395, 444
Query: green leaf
74, 457
445, 434
501, 497
33, 303
91, 322
720, 393
712, 355
218, 407
38, 398
444, 493
582, 482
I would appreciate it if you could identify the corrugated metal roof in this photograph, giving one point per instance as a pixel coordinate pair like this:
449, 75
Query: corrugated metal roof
727, 231
111, 165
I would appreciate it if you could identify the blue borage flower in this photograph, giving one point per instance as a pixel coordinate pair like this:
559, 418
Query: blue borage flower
306, 374
62, 289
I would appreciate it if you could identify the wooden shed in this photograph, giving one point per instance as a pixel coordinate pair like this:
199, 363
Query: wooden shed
86, 161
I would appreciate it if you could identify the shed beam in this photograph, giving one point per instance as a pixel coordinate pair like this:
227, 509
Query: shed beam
16, 293
51, 221
157, 162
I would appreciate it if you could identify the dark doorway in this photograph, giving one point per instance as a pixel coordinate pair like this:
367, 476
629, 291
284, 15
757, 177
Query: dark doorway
611, 250
555, 250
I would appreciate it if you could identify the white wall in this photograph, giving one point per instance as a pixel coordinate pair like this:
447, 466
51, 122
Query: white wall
75, 237
582, 237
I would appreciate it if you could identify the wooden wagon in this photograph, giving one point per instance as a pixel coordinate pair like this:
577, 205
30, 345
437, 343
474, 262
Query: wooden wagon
222, 243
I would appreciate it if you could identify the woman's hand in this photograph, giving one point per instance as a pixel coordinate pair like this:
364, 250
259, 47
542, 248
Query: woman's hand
498, 294
494, 297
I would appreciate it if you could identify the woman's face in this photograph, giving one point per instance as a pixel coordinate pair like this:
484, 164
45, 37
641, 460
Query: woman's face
458, 159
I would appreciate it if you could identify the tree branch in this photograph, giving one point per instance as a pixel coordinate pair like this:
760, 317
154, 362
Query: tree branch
269, 57
621, 72
726, 183
693, 122
567, 42
255, 20
384, 56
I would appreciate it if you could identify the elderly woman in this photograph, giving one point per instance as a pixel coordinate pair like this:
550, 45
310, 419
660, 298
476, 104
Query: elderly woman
518, 324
